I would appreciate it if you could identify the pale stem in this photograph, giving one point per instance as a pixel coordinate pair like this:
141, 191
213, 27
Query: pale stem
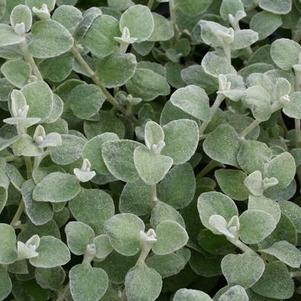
227, 51
240, 245
18, 214
210, 166
295, 274
146, 248
154, 193
218, 101
297, 121
150, 4
62, 293
111, 99
249, 128
172, 13
30, 60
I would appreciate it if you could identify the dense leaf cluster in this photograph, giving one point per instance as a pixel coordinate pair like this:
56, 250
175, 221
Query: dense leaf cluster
150, 150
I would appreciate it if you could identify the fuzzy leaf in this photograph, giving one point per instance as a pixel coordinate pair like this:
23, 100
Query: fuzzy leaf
293, 108
92, 207
242, 269
234, 293
181, 138
88, 283
192, 100
255, 226
52, 253
190, 295
151, 167
170, 237
142, 276
140, 22
215, 203
79, 235
49, 39
124, 233
8, 250
280, 7
222, 145
56, 187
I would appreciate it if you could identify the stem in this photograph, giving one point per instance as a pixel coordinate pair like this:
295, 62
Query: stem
227, 51
295, 274
172, 13
154, 194
150, 4
240, 245
30, 60
110, 98
249, 128
28, 165
146, 248
62, 293
210, 166
218, 101
18, 214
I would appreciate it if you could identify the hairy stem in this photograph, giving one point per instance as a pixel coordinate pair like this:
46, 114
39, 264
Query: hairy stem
150, 4
110, 98
14, 222
249, 128
210, 166
218, 101
240, 245
30, 60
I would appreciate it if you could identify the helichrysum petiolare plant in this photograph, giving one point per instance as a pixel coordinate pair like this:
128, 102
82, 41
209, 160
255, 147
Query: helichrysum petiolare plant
150, 150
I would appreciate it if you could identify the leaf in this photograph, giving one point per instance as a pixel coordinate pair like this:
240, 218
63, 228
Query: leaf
17, 72
265, 204
192, 7
78, 235
21, 14
242, 269
8, 246
185, 294
136, 198
38, 3
153, 135
88, 283
56, 187
99, 39
244, 38
215, 65
49, 39
119, 159
168, 265
92, 151
147, 84
281, 7
69, 151
116, 69
69, 16
39, 98
230, 7
151, 167
170, 237
86, 100
8, 36
259, 101
181, 138
124, 233
163, 30
292, 108
142, 276
293, 212
285, 53
276, 282
140, 22
283, 168
231, 182
52, 253
39, 213
50, 278
103, 246
92, 207
252, 155
234, 293
265, 23
58, 68
255, 226
5, 284
215, 203
222, 145
192, 100
178, 186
